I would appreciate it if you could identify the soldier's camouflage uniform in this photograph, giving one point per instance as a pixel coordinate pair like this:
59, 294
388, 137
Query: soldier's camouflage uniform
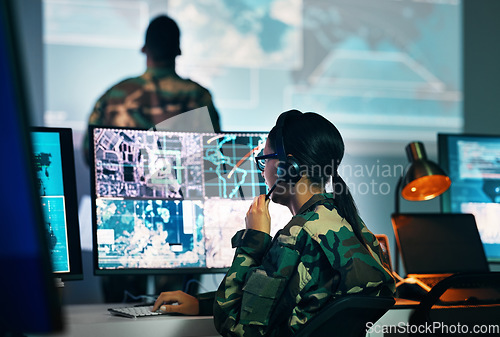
149, 99
275, 286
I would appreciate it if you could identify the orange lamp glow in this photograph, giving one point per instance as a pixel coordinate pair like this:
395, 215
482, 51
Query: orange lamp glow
426, 188
423, 179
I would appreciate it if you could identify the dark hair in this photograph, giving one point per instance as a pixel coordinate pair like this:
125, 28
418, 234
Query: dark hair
318, 148
162, 39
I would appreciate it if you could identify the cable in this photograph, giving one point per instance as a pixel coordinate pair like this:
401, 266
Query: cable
188, 283
145, 298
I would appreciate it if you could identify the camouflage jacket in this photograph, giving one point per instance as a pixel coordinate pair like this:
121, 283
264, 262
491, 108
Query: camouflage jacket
275, 286
144, 101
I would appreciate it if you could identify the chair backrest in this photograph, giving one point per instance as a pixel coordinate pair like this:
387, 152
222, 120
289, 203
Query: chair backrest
347, 316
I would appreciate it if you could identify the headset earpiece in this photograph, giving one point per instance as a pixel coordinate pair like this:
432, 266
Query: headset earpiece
289, 170
281, 171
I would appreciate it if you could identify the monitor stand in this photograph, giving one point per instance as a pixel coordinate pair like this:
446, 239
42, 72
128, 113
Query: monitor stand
151, 286
58, 282
59, 286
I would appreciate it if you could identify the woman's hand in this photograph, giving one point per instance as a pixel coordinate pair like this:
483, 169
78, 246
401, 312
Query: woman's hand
177, 301
258, 217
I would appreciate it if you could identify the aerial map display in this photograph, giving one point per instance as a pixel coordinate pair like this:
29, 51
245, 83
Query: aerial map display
167, 200
229, 170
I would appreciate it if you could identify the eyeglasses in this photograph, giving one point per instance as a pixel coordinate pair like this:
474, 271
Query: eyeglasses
261, 160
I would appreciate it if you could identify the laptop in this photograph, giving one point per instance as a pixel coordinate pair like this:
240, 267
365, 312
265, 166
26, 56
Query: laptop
435, 246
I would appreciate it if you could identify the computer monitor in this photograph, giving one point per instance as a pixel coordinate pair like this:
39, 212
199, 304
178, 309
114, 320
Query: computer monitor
26, 282
473, 165
170, 202
56, 183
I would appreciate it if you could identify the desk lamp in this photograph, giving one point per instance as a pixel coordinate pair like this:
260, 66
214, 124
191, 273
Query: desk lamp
423, 180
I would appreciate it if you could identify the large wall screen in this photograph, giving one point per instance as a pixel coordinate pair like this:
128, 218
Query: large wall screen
379, 69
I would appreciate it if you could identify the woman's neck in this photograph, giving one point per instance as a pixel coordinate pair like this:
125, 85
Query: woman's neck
301, 193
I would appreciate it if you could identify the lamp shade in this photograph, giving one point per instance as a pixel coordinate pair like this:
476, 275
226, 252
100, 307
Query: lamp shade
423, 179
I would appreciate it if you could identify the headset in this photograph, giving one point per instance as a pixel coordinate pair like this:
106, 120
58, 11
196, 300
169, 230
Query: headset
288, 167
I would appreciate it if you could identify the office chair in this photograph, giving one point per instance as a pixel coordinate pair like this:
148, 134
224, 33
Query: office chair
466, 298
347, 316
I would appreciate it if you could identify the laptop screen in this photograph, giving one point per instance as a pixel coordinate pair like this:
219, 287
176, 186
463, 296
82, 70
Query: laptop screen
439, 243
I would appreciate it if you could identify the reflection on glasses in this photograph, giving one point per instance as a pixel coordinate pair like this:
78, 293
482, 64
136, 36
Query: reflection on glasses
261, 160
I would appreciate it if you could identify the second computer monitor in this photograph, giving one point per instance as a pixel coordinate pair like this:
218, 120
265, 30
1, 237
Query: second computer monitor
473, 165
56, 183
171, 202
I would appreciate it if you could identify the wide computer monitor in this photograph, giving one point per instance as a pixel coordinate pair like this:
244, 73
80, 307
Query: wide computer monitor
26, 280
56, 184
170, 202
473, 165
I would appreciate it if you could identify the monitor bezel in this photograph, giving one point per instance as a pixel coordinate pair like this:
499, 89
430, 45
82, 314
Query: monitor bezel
139, 271
444, 162
71, 202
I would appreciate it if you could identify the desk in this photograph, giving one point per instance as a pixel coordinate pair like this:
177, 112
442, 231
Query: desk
95, 320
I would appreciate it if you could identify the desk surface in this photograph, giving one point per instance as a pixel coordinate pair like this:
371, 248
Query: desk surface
95, 320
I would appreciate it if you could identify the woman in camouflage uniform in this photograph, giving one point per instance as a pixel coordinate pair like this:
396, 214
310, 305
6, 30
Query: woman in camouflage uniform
274, 286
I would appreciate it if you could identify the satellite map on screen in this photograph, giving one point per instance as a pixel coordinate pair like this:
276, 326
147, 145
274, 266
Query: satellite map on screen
172, 199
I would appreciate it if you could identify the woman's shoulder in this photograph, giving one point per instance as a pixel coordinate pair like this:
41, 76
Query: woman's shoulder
326, 221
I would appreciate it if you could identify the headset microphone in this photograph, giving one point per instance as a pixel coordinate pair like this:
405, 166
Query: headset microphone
268, 195
280, 176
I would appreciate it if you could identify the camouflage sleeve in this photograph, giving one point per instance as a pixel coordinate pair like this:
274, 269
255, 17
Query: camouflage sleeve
95, 118
257, 297
251, 245
206, 100
389, 286
311, 285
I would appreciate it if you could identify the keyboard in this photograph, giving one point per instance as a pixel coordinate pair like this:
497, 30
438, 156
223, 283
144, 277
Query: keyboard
136, 312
